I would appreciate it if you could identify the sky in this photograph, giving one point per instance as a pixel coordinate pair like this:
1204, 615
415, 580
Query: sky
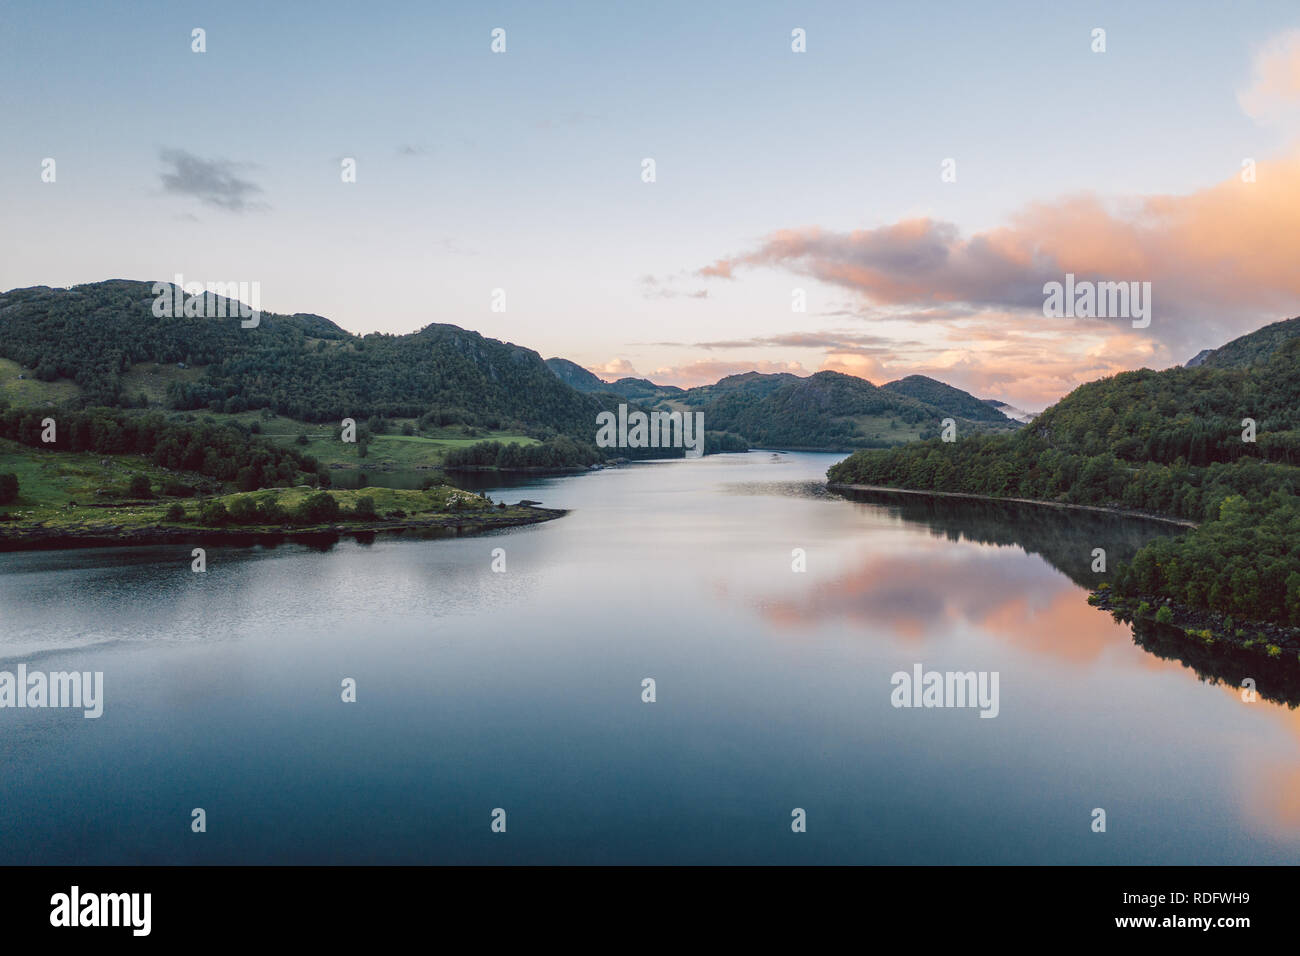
1171, 156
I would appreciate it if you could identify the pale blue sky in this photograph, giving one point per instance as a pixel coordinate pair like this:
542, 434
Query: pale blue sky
522, 171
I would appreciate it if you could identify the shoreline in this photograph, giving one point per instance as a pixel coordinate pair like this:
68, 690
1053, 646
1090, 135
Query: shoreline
1207, 627
1098, 509
446, 525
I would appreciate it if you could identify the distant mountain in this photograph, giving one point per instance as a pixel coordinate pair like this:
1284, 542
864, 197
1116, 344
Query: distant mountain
952, 400
643, 390
830, 410
1254, 348
633, 389
1199, 358
827, 410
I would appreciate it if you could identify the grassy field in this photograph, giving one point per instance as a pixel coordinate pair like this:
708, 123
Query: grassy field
152, 379
29, 391
883, 428
50, 482
385, 452
139, 514
143, 377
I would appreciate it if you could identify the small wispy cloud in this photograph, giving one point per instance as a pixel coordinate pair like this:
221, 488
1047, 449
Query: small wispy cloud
666, 288
1274, 91
214, 182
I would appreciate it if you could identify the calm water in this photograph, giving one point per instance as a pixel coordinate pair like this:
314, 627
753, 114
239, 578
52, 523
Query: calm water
522, 690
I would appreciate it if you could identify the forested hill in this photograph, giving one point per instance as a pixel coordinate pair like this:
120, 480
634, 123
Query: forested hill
1152, 440
832, 410
302, 366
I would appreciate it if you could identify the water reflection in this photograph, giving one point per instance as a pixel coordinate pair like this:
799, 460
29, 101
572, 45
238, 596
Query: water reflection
1275, 680
522, 689
1065, 539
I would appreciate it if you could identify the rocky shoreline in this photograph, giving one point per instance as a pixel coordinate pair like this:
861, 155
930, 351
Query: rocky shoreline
40, 538
1205, 627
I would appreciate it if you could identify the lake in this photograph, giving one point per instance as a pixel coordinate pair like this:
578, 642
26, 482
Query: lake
522, 690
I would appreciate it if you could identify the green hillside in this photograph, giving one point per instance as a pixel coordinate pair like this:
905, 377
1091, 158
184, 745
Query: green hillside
1254, 348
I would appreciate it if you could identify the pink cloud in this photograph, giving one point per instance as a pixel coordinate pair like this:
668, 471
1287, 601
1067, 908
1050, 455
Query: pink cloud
615, 368
1221, 260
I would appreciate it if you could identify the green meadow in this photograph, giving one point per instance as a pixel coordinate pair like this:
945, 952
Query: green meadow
84, 492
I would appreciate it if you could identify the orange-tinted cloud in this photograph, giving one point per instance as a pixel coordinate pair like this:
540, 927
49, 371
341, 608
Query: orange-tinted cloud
1220, 260
869, 367
614, 369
